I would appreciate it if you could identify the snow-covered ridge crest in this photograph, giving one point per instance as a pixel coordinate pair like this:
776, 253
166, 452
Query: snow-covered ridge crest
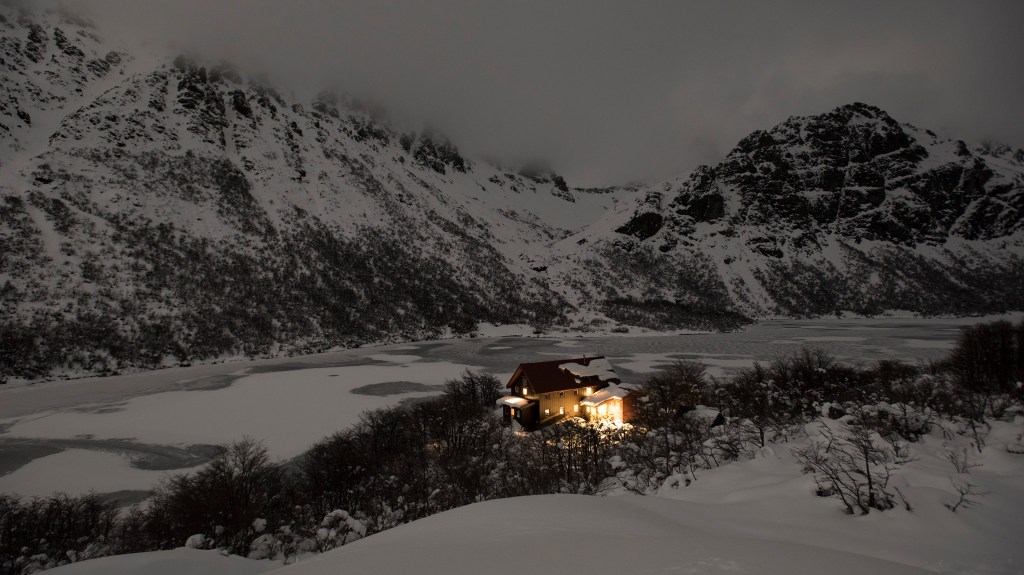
163, 211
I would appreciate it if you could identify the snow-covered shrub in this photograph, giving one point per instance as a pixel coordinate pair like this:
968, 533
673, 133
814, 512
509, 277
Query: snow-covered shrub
853, 464
339, 528
265, 546
1016, 446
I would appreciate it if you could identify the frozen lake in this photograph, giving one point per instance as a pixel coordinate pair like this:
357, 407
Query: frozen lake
119, 435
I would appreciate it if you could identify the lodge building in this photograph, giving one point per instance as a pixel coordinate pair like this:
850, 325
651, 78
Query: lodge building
546, 392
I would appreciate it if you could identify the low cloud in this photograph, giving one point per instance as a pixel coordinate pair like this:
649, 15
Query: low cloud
610, 92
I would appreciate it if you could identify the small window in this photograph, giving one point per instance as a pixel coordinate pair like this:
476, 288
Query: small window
575, 392
561, 394
576, 408
547, 412
512, 412
547, 396
526, 391
561, 411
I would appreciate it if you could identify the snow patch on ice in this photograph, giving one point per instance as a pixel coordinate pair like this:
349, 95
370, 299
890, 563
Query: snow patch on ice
77, 472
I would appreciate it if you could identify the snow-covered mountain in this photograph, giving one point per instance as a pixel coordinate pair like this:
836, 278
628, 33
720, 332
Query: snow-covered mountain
156, 211
848, 210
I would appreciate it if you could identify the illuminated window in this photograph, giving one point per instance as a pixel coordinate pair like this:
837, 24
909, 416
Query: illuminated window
602, 409
547, 412
526, 391
561, 411
576, 408
512, 412
588, 391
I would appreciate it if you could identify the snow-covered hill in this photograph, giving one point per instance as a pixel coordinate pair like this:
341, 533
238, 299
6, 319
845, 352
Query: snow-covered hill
753, 516
157, 211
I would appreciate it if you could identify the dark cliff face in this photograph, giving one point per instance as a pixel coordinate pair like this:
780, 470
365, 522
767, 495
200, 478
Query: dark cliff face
855, 171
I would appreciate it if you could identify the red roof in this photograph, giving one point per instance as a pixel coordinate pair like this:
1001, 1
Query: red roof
547, 376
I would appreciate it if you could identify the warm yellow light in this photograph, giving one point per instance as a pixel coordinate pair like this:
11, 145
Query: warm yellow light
615, 410
602, 409
588, 391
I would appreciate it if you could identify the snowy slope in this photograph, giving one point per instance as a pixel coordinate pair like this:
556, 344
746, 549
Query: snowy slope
156, 210
174, 562
757, 515
577, 534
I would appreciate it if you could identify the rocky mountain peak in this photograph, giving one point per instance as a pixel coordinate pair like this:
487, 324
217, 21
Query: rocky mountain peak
857, 171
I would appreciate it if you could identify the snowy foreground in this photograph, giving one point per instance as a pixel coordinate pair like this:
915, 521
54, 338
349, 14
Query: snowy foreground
755, 516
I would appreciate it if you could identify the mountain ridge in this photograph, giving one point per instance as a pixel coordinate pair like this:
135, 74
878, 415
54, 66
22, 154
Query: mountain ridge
177, 212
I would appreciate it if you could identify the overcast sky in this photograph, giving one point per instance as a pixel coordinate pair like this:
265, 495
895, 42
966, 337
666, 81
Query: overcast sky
611, 92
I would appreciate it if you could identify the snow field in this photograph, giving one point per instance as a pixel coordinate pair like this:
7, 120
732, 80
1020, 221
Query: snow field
289, 411
77, 472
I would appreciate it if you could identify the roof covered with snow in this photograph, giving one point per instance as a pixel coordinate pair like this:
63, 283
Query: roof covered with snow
613, 391
511, 401
562, 374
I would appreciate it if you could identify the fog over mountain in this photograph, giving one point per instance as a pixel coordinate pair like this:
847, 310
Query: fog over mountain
614, 92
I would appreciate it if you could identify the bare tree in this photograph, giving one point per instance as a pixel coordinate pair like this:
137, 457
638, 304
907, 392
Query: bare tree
967, 493
852, 464
960, 459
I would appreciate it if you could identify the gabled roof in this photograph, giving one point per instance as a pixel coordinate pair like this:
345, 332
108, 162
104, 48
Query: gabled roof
562, 374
